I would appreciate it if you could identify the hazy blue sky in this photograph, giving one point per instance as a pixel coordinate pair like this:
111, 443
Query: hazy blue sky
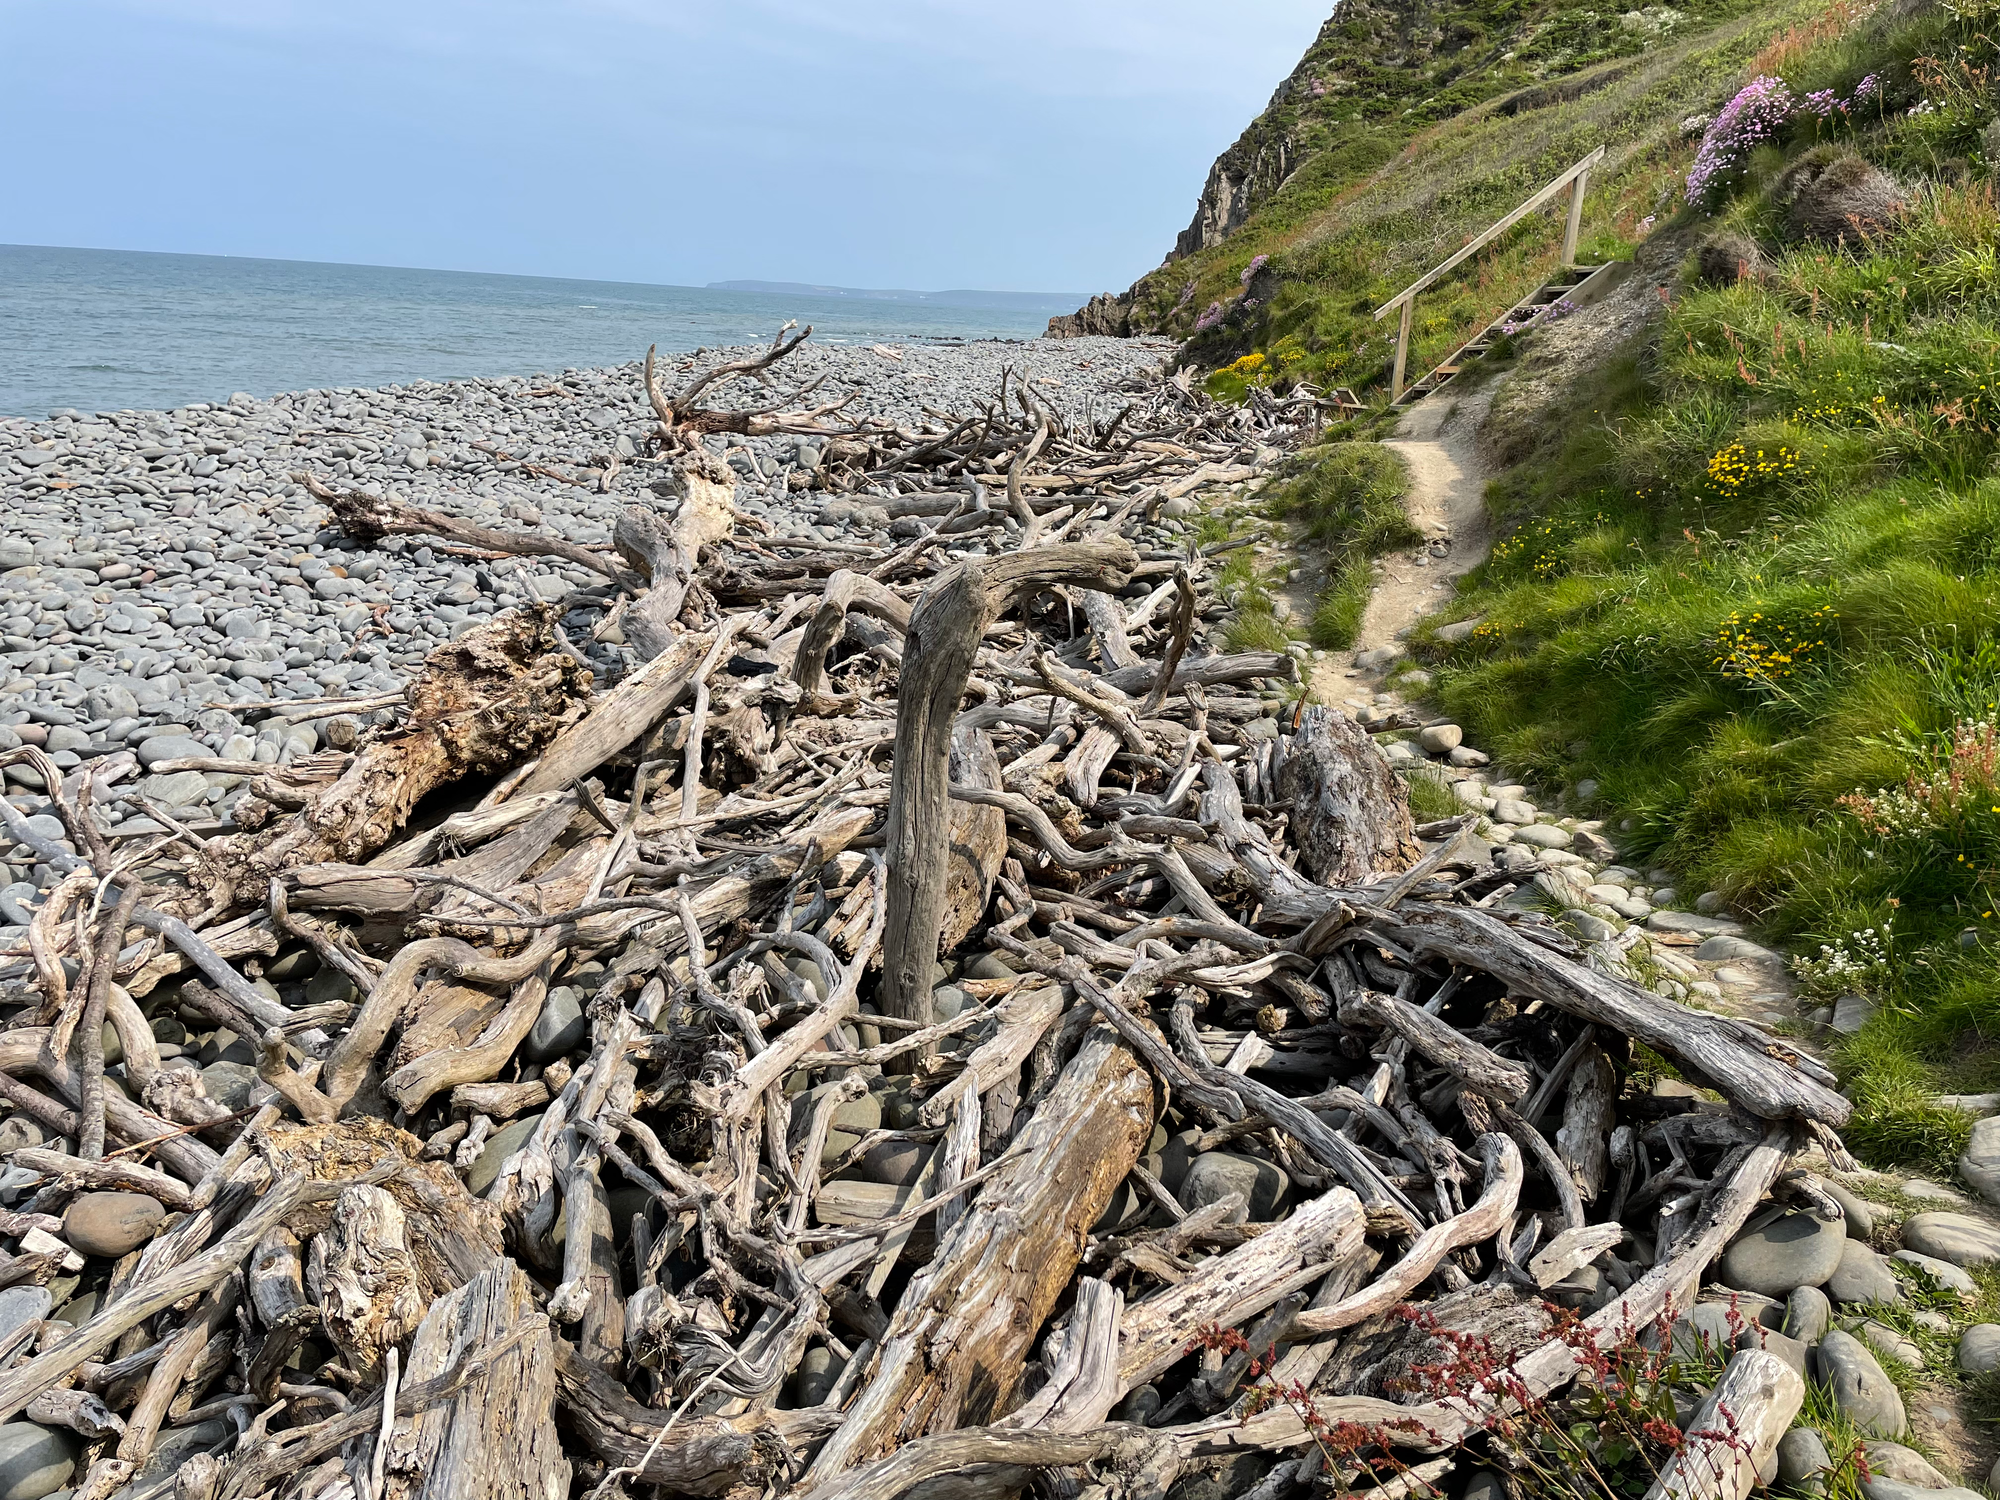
1015, 144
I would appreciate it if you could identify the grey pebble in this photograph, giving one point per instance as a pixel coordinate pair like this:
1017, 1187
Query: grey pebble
560, 1027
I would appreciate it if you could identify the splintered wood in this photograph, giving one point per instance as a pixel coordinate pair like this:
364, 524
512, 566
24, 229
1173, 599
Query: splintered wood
900, 1031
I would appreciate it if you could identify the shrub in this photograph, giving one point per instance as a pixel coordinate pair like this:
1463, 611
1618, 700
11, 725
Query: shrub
1834, 196
1755, 117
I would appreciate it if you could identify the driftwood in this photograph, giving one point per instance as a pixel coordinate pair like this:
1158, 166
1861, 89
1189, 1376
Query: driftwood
1735, 1431
495, 1438
930, 1007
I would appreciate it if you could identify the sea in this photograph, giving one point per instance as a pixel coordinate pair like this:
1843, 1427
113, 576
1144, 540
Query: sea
115, 330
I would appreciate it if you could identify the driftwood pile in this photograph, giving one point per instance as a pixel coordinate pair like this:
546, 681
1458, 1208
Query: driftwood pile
983, 988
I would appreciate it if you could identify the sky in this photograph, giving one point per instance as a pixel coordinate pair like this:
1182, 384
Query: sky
1019, 145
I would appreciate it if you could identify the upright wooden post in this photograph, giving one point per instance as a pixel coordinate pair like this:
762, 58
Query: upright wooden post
1577, 188
1402, 352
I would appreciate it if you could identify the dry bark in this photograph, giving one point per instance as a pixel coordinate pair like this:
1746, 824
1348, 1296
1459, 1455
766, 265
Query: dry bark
945, 628
479, 705
497, 1438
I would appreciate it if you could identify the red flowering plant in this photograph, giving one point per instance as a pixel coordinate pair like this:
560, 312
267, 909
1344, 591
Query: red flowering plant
1606, 1436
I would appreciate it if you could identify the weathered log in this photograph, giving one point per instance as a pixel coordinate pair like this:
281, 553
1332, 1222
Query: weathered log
944, 633
976, 837
1477, 1066
25, 1381
1351, 816
1764, 1083
619, 718
1735, 1430
696, 1455
496, 1439
1315, 1238
371, 1295
1587, 1121
954, 1351
478, 706
666, 553
368, 518
1482, 1221
844, 591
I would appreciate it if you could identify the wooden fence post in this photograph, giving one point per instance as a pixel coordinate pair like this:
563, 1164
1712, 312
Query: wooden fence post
1576, 191
1402, 352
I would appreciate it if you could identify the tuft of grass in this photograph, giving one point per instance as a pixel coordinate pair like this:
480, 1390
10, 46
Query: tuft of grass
1255, 630
1431, 796
1346, 499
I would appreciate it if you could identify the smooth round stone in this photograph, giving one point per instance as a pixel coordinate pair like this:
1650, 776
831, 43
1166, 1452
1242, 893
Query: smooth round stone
1127, 1204
1897, 1489
1704, 1329
809, 971
1802, 1454
1891, 1344
1175, 1155
17, 1131
1214, 1175
300, 963
110, 1224
1808, 1315
1791, 1351
500, 1145
852, 1119
1860, 1214
170, 747
1793, 1250
895, 1162
1943, 1272
1904, 1465
229, 1083
1855, 1380
1544, 836
1979, 1349
1980, 1163
328, 986
989, 966
35, 1462
559, 1028
23, 1304
1958, 1238
1440, 739
815, 1377
1862, 1276
1139, 1407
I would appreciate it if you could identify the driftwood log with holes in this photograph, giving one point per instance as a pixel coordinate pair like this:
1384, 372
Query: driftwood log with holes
937, 1019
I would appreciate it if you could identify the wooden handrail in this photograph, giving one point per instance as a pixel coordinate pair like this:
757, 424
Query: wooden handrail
1580, 169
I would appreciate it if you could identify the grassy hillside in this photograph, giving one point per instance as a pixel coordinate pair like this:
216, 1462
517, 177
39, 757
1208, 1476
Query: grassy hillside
1418, 127
1751, 575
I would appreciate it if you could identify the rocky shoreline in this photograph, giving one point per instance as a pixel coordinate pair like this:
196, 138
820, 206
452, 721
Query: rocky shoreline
168, 585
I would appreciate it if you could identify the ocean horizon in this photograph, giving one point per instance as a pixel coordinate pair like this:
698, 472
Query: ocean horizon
114, 330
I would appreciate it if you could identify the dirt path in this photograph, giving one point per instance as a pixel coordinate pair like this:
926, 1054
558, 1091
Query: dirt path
1447, 484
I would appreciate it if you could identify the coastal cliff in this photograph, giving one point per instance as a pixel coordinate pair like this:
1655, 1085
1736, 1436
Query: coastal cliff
1379, 78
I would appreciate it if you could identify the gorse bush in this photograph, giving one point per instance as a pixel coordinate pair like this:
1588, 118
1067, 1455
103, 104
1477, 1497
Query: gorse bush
1754, 591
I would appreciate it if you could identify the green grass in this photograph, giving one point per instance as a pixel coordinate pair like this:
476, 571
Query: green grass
1431, 797
1346, 499
1404, 153
1749, 581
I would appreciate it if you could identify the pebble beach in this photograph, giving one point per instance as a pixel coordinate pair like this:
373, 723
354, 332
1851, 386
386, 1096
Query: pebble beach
169, 587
